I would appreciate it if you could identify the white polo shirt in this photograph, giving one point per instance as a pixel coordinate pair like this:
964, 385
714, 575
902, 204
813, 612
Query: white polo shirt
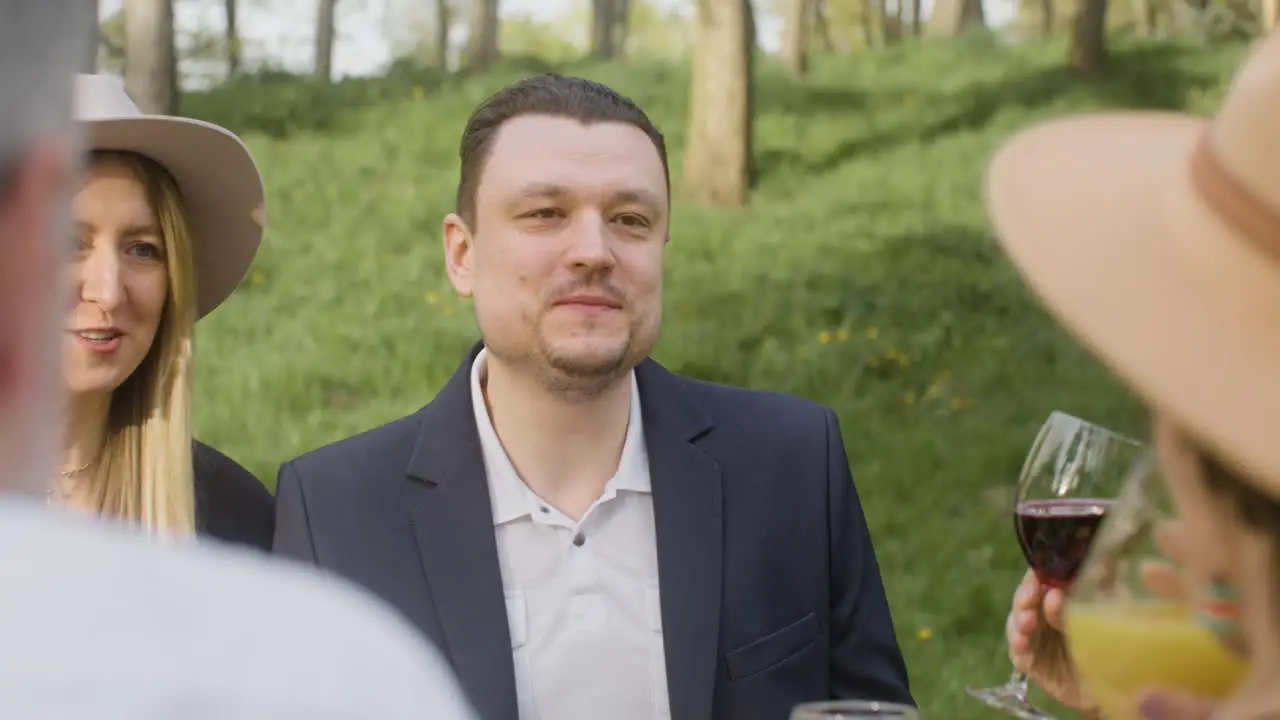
582, 598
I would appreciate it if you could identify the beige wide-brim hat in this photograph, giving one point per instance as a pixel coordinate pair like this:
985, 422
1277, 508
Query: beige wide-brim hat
219, 181
1155, 238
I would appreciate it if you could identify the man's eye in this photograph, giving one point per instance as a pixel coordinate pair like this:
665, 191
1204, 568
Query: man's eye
632, 220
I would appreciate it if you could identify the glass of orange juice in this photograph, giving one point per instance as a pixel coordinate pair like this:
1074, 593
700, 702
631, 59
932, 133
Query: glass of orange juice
1132, 623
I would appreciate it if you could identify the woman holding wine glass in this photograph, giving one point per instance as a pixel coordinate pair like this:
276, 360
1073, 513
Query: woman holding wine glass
1155, 238
1068, 480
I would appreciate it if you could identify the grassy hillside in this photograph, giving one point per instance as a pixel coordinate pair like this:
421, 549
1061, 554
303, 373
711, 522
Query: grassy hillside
861, 276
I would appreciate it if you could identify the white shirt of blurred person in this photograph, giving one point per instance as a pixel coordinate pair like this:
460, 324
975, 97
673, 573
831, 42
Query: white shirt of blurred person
98, 621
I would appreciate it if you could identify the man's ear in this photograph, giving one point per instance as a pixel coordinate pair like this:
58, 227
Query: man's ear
458, 255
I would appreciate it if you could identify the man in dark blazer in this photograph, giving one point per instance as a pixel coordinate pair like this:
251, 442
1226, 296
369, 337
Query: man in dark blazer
583, 533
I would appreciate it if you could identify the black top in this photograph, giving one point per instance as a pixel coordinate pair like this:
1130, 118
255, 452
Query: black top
231, 504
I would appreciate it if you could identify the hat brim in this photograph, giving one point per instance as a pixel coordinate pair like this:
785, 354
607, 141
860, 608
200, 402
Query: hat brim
220, 185
1083, 208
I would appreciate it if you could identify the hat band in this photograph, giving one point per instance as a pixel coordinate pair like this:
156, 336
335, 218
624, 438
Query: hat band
1233, 202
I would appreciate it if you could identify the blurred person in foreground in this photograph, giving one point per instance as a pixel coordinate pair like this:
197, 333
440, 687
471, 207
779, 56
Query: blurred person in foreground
1155, 238
97, 621
167, 220
601, 538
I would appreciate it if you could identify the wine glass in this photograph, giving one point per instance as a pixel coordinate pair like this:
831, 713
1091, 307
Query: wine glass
1073, 471
853, 710
1131, 621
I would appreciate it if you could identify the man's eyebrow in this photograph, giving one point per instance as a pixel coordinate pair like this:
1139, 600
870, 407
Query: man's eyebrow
642, 197
540, 190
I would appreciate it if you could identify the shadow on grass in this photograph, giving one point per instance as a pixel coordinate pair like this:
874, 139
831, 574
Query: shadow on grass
280, 105
935, 290
1149, 77
1146, 76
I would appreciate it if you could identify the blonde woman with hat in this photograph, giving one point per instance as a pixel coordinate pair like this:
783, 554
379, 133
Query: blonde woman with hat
1155, 238
167, 221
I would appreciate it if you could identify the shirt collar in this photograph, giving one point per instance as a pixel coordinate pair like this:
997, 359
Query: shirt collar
510, 497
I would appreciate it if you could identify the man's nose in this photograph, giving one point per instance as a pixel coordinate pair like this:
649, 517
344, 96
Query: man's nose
591, 242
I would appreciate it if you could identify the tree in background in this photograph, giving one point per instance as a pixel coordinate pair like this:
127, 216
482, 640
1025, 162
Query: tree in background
1088, 49
481, 49
523, 35
609, 28
231, 39
717, 156
949, 18
443, 20
1270, 15
323, 67
150, 72
797, 25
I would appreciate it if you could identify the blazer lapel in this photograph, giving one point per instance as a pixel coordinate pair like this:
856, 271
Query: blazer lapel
687, 520
454, 527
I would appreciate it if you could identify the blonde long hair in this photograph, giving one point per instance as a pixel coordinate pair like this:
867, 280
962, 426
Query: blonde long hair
145, 474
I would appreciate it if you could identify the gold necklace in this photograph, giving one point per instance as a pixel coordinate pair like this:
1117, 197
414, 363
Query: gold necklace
75, 471
64, 474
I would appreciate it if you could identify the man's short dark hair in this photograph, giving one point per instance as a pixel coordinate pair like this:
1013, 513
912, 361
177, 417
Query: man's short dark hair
562, 96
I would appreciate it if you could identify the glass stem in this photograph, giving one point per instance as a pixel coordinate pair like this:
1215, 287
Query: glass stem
1018, 683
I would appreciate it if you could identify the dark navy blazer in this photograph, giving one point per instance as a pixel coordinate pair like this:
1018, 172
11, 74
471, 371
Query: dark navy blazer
769, 587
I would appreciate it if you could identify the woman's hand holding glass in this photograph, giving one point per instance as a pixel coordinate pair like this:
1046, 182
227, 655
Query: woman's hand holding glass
1041, 655
1051, 667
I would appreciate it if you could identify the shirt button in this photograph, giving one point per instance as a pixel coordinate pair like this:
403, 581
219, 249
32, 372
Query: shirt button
579, 540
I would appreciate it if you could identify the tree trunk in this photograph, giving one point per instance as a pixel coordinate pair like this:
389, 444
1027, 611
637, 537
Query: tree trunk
481, 49
232, 40
1048, 17
621, 26
795, 35
151, 72
1088, 51
952, 17
602, 29
717, 158
442, 34
917, 24
869, 23
323, 66
890, 31
822, 27
1270, 14
1143, 18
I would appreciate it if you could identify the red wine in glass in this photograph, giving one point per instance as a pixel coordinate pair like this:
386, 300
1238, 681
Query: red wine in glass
1073, 470
1056, 535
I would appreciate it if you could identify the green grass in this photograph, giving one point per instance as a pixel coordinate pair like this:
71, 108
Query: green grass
862, 275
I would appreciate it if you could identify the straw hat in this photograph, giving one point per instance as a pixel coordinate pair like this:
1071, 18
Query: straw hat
1155, 238
219, 181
